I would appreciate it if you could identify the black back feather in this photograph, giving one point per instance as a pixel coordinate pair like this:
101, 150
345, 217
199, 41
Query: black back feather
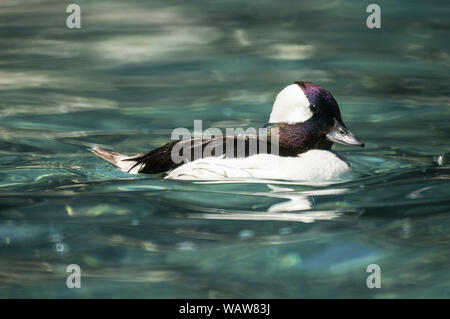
160, 160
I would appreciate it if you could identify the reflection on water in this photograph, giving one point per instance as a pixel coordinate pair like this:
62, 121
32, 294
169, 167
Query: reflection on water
136, 70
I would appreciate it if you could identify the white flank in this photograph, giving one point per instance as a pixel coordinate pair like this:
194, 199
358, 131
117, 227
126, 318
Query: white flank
315, 165
125, 166
291, 105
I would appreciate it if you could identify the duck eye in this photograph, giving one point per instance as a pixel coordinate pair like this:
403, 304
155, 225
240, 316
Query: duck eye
313, 108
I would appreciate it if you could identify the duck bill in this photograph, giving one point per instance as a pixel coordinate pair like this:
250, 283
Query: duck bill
341, 134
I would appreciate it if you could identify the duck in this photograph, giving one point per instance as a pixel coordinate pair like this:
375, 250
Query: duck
303, 125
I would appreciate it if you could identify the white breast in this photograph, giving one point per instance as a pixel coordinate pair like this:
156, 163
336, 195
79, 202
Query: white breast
315, 165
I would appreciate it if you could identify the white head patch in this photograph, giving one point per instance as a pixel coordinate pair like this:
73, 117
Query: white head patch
291, 105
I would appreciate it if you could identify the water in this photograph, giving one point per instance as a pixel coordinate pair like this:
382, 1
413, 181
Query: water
138, 69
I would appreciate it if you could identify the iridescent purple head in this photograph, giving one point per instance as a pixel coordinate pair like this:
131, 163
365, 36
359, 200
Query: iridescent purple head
319, 97
313, 110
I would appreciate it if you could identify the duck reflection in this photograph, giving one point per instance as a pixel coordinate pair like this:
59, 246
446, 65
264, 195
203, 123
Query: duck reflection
296, 206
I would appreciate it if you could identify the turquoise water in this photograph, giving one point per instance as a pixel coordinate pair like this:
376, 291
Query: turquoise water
138, 69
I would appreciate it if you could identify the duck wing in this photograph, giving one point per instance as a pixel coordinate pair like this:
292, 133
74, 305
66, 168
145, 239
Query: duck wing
187, 150
162, 160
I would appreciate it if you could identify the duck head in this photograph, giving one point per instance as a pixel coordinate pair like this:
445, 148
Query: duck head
308, 117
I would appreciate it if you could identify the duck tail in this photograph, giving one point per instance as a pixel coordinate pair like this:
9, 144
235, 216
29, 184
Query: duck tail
125, 163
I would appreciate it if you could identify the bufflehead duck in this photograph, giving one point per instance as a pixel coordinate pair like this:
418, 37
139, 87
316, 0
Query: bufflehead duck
306, 120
